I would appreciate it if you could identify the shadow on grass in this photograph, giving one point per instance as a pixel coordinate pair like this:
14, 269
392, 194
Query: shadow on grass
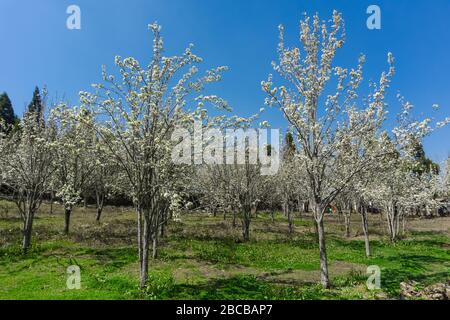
234, 288
113, 258
248, 287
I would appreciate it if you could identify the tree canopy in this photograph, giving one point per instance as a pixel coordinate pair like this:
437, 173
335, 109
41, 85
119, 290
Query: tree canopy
6, 110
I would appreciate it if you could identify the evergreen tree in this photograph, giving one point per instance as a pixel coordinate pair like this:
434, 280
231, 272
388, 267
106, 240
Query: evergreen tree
36, 106
289, 149
421, 163
6, 110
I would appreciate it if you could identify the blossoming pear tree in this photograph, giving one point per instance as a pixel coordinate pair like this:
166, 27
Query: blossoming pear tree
137, 110
403, 183
290, 181
74, 147
323, 122
27, 166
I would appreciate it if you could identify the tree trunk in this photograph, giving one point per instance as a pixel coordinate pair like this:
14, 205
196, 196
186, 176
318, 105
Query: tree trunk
324, 277
290, 220
67, 213
347, 220
27, 228
365, 226
246, 226
140, 223
306, 206
100, 202
389, 222
144, 265
99, 214
392, 213
51, 202
397, 224
316, 230
144, 240
155, 245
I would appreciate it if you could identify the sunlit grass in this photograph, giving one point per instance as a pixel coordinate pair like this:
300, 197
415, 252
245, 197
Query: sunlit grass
203, 257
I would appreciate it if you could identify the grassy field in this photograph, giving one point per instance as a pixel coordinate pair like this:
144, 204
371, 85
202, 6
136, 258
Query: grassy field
202, 257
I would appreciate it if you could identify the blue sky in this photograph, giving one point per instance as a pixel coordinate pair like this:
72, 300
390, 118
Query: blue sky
38, 49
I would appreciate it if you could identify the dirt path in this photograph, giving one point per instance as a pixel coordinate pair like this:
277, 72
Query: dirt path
290, 277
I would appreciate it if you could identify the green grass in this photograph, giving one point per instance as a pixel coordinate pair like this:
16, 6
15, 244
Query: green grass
204, 258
